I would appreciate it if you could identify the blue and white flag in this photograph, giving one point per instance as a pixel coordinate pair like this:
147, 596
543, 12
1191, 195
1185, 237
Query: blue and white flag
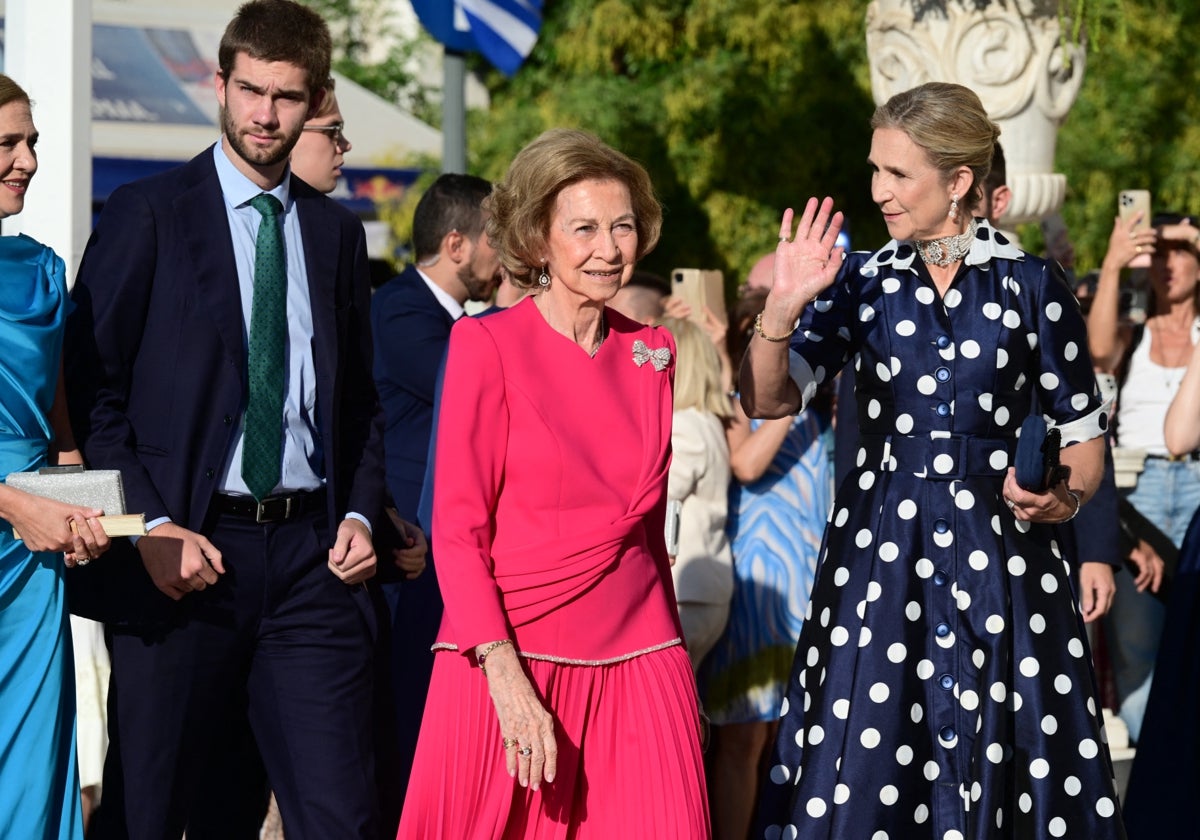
504, 30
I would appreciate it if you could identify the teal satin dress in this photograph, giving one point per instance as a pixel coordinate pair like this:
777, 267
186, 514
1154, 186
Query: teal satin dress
39, 785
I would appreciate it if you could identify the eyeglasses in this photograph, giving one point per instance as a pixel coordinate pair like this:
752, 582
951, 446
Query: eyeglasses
333, 132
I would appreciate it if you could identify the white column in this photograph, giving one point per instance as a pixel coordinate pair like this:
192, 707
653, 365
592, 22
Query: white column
48, 51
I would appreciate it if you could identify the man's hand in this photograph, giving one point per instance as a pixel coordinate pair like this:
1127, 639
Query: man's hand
410, 559
1149, 566
352, 557
179, 561
1096, 590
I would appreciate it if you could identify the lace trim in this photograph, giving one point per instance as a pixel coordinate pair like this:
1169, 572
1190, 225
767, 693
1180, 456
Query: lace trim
562, 660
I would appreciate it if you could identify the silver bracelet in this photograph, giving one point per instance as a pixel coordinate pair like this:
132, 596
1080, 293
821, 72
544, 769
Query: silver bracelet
1078, 504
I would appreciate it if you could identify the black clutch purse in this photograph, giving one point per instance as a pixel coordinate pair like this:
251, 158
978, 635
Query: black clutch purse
1037, 459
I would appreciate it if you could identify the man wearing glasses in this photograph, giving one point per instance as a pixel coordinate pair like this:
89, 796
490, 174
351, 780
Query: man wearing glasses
321, 150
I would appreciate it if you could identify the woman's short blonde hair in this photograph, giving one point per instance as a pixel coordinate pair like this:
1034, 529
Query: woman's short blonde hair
328, 102
950, 123
10, 91
522, 205
697, 370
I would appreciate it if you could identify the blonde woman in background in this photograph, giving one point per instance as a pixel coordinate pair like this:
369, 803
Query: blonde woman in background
698, 483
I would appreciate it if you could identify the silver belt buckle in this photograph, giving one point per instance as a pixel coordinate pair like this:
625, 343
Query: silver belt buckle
263, 513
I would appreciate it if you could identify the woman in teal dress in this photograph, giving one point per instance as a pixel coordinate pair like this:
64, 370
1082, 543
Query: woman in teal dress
39, 787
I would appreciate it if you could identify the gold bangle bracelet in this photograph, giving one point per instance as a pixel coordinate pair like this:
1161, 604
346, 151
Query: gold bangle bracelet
758, 330
482, 656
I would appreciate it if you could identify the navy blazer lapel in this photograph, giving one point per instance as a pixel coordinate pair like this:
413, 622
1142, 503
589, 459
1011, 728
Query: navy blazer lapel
322, 237
201, 210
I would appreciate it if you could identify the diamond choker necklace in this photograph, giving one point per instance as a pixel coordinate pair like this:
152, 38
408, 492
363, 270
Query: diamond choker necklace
947, 249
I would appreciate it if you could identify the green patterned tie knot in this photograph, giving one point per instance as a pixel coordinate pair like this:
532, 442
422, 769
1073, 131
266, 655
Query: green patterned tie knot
262, 446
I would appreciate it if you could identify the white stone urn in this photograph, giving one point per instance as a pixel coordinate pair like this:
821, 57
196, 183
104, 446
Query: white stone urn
1012, 53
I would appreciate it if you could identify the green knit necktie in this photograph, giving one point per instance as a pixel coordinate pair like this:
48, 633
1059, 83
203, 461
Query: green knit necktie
262, 445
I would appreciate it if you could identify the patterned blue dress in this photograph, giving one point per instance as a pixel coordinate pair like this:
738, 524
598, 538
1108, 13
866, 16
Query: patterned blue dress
39, 785
942, 686
775, 526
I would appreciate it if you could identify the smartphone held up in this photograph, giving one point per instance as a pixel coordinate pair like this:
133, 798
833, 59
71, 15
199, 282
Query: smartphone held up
1134, 205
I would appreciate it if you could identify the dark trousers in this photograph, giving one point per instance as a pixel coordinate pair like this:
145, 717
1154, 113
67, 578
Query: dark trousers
274, 660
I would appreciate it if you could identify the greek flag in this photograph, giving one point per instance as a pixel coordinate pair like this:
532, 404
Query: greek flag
504, 30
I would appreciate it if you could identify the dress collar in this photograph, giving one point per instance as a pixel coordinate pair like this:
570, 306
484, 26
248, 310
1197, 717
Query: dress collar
989, 244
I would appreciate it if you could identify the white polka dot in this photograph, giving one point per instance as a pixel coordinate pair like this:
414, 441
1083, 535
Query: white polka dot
921, 814
1048, 381
889, 794
895, 365
1001, 358
873, 409
1025, 802
1072, 785
1011, 319
923, 568
912, 611
943, 540
998, 460
783, 708
816, 735
1057, 827
1039, 768
969, 700
891, 285
1016, 565
904, 755
879, 692
985, 401
841, 576
1049, 724
840, 518
874, 590
906, 328
1070, 351
866, 481
931, 770
1088, 748
1015, 702
1001, 416
992, 310
883, 372
924, 295
904, 423
813, 657
1049, 584
924, 669
866, 312
888, 552
964, 600
897, 653
1075, 648
995, 753
864, 637
800, 732
815, 807
964, 500
978, 560
780, 774
998, 692
841, 708
1062, 684
863, 538
916, 712
1104, 807
952, 298
839, 636
969, 348
977, 659
1029, 667
994, 624
826, 614
1037, 623
943, 464
841, 794
1080, 401
869, 738
927, 385
1054, 310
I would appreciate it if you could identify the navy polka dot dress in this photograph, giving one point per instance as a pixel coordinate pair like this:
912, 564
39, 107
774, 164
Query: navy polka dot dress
942, 686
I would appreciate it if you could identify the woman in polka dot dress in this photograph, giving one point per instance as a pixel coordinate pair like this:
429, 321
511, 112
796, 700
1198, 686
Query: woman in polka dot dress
942, 686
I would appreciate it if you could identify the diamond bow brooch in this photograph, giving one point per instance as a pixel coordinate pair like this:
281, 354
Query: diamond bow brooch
660, 357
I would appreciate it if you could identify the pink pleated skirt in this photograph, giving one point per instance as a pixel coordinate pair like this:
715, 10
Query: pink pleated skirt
629, 761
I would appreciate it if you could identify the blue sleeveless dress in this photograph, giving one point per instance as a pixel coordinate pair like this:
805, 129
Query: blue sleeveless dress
39, 786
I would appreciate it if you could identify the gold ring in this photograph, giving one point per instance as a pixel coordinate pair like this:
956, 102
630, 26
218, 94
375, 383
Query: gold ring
1139, 249
509, 742
526, 751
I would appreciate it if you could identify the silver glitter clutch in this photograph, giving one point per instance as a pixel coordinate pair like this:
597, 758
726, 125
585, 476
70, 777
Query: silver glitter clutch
87, 488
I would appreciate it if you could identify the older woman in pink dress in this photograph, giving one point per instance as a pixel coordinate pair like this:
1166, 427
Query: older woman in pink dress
562, 702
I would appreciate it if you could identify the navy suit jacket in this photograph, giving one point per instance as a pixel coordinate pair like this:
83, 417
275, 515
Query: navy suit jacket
411, 330
156, 348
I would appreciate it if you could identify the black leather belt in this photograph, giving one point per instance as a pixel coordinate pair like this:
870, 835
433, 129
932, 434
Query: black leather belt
1194, 455
270, 509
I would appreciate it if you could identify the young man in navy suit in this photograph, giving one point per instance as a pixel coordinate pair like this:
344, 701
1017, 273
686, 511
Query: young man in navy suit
242, 627
411, 317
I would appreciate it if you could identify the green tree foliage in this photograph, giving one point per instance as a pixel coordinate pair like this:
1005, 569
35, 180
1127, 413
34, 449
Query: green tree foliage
738, 108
